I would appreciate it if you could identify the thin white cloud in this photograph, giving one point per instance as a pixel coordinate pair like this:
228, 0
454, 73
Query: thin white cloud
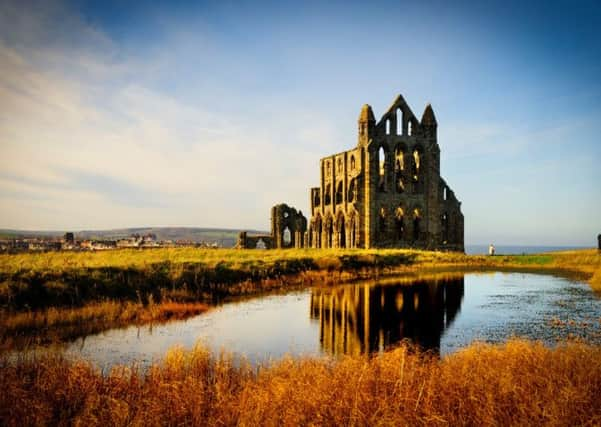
75, 129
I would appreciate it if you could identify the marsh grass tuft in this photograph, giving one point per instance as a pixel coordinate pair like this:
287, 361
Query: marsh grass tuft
54, 325
518, 383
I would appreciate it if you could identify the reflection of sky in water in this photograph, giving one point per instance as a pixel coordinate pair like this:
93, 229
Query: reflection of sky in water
489, 307
262, 328
497, 306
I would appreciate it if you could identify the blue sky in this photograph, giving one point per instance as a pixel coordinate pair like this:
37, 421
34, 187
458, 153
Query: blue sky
207, 114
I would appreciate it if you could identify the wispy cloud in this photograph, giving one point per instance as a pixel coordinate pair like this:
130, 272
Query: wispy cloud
77, 122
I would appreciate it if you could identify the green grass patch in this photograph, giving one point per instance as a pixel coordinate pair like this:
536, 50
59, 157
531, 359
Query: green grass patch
531, 259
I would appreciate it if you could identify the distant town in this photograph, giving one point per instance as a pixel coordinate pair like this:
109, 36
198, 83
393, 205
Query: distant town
15, 241
69, 242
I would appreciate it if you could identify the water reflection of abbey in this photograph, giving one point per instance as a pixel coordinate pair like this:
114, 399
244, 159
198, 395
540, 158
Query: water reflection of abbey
356, 319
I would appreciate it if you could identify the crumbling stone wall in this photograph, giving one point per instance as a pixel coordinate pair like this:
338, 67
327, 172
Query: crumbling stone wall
288, 227
288, 230
387, 191
257, 241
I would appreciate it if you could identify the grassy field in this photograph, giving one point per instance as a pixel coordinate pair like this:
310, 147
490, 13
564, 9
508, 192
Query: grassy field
243, 260
279, 260
35, 281
518, 383
41, 280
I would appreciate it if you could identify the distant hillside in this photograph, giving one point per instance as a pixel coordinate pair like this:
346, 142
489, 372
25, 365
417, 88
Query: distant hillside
223, 236
28, 234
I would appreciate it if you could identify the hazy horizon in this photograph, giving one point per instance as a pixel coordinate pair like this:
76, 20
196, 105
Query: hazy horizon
472, 245
207, 114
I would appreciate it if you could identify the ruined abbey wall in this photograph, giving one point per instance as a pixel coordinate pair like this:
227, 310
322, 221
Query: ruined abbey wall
288, 227
255, 241
288, 230
387, 191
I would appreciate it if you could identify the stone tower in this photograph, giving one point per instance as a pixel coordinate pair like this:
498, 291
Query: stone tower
387, 191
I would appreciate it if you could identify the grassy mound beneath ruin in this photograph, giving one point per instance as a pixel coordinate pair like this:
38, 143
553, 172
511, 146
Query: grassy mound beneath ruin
37, 281
34, 281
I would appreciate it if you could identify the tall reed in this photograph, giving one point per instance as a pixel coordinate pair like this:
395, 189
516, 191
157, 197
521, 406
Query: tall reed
518, 383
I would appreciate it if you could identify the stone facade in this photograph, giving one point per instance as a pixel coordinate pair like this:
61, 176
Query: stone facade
387, 191
288, 230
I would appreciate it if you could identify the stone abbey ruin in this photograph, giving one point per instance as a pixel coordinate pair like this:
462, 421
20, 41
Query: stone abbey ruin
288, 230
386, 192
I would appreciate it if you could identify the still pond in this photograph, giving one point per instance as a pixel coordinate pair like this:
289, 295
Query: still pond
442, 313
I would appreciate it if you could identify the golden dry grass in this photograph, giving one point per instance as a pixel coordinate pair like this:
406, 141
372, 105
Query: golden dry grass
587, 260
585, 263
34, 281
134, 258
52, 325
595, 280
518, 383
